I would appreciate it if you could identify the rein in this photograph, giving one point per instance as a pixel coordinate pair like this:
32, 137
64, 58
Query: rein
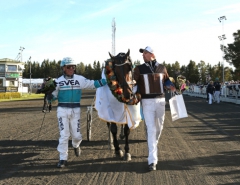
123, 64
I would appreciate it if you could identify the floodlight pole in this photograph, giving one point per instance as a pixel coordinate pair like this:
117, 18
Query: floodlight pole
20, 56
21, 50
222, 38
113, 36
30, 74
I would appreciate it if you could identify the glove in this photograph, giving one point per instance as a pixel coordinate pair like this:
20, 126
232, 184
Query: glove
100, 83
169, 85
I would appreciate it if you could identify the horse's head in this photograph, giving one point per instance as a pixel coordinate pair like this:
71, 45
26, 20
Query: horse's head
122, 67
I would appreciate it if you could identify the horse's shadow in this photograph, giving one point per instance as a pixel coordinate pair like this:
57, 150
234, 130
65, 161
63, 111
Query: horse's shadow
98, 143
51, 143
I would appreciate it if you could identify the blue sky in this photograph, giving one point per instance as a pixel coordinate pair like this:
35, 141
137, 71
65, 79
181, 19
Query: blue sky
177, 30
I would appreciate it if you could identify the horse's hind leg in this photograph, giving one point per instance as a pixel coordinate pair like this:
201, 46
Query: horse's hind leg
110, 137
127, 155
118, 150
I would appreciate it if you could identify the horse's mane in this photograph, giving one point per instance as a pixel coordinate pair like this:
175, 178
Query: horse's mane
114, 85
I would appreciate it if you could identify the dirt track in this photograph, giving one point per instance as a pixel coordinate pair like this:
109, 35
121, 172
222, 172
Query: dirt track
201, 149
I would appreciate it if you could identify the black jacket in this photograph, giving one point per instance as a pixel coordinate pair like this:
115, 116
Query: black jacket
210, 89
217, 86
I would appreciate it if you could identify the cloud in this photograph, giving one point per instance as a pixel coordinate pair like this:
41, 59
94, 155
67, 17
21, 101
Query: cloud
72, 2
112, 8
4, 45
233, 8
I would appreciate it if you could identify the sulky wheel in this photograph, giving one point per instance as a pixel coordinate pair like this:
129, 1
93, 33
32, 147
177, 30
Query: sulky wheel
89, 125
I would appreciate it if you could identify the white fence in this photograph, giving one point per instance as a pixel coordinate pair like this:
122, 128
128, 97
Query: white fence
229, 93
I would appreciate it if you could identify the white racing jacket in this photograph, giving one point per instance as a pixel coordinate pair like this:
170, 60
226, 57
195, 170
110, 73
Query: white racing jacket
69, 91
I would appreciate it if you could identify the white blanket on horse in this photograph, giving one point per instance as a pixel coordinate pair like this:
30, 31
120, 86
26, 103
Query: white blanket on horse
111, 110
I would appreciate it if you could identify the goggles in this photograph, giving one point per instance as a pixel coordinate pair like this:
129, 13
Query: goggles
69, 67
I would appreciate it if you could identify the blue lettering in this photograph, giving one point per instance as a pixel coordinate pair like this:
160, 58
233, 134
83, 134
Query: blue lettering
71, 82
67, 83
62, 83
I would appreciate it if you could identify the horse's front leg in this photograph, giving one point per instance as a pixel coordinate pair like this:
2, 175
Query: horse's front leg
127, 155
118, 150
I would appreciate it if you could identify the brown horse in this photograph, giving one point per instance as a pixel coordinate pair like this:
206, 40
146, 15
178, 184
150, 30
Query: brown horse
118, 71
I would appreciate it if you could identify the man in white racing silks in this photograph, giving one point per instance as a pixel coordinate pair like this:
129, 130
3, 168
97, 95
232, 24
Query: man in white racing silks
68, 93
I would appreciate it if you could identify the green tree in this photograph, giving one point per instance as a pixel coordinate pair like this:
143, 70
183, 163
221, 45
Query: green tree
183, 70
228, 73
232, 51
136, 63
202, 68
176, 67
192, 73
80, 69
89, 72
97, 70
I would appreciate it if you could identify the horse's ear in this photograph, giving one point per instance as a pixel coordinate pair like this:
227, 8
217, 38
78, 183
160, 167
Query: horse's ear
128, 53
110, 55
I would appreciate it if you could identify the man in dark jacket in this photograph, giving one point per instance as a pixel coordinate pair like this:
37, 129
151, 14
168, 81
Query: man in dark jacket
217, 86
210, 91
152, 79
46, 93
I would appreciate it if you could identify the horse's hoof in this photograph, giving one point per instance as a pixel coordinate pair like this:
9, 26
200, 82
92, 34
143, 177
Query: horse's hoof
119, 153
112, 147
121, 136
127, 157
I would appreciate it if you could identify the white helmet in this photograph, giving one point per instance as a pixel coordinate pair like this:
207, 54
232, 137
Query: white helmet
67, 61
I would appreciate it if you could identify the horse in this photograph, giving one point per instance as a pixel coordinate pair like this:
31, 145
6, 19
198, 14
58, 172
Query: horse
122, 101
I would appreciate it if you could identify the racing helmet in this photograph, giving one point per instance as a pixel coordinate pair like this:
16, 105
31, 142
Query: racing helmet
67, 61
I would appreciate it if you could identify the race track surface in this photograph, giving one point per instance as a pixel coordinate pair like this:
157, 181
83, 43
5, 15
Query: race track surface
199, 150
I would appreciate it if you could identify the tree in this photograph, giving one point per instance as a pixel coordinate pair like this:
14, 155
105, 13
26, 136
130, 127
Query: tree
183, 70
173, 69
97, 70
192, 73
202, 68
89, 72
136, 63
232, 51
80, 69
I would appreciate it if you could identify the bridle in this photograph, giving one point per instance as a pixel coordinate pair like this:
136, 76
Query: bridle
122, 63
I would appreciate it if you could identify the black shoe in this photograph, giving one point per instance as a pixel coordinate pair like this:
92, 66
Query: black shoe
152, 167
77, 151
62, 164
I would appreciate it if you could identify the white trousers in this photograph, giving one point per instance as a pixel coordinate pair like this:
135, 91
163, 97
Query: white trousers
217, 96
210, 97
69, 125
154, 114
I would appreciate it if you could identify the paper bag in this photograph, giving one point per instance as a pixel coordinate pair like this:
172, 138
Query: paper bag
177, 107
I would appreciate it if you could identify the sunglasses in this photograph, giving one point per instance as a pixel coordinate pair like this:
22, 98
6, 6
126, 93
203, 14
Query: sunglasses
69, 67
